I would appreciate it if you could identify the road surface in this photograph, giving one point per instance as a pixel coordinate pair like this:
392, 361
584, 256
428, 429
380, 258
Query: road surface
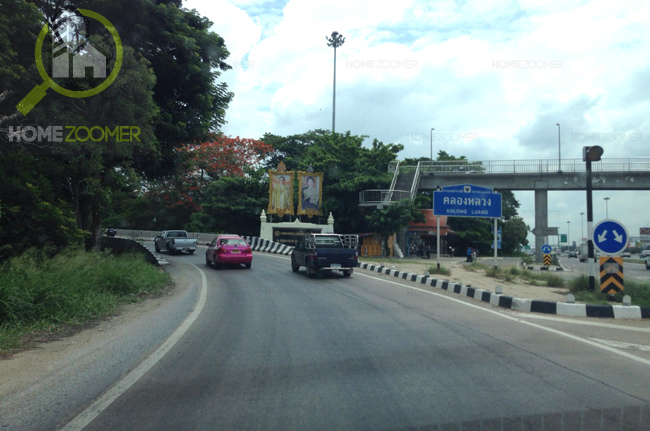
269, 349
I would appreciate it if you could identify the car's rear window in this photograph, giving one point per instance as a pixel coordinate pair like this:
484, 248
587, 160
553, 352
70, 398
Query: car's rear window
328, 242
233, 241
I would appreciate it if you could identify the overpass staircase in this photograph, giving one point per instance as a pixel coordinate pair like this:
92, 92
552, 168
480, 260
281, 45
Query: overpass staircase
404, 186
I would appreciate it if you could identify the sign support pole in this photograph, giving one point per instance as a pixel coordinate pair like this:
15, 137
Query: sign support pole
438, 242
495, 243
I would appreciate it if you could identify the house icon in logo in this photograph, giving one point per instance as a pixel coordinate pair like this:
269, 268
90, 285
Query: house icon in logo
69, 46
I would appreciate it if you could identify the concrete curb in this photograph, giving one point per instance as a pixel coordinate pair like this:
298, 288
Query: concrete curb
519, 304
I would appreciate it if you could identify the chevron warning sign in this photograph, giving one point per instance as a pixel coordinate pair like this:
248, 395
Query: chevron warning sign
547, 260
611, 275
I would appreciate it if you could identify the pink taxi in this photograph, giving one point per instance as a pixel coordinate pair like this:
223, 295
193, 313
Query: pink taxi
228, 250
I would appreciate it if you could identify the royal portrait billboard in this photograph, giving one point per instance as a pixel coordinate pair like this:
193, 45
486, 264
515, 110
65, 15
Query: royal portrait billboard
280, 193
311, 193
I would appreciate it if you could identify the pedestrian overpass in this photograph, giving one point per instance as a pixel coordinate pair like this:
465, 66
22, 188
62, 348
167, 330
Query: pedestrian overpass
540, 176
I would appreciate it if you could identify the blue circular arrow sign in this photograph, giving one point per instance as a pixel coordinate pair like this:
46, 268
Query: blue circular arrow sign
546, 249
610, 237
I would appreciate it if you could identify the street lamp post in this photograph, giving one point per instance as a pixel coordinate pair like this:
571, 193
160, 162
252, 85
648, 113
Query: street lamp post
568, 235
431, 157
582, 230
606, 208
559, 152
335, 41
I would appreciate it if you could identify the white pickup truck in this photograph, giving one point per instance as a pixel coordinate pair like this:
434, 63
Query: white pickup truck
174, 241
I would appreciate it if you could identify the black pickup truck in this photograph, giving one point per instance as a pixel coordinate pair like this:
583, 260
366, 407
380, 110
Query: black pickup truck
326, 252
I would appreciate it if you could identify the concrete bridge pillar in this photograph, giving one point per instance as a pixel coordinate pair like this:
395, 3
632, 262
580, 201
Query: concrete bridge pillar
541, 217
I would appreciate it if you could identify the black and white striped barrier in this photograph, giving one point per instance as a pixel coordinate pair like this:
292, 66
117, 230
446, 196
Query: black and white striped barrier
264, 245
519, 304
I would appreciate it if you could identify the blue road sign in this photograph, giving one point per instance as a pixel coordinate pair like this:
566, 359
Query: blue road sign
546, 249
610, 237
467, 200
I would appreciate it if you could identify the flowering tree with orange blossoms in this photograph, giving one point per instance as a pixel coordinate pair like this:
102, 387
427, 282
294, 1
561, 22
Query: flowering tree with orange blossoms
205, 162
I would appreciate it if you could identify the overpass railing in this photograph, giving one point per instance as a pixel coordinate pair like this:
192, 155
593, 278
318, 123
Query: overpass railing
528, 166
382, 197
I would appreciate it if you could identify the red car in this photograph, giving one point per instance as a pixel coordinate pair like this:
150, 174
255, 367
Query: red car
228, 250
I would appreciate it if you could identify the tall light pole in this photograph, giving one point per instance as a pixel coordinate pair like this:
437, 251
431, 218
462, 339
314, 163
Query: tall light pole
431, 158
582, 230
335, 41
559, 151
606, 208
568, 235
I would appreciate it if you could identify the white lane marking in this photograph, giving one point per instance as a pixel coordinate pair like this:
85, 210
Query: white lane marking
534, 325
622, 345
527, 315
584, 322
96, 408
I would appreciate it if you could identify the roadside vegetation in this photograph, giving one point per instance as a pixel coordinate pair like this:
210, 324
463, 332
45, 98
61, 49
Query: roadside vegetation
442, 270
639, 292
41, 294
579, 286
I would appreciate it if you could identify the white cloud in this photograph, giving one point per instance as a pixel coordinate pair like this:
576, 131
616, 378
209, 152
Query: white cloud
493, 78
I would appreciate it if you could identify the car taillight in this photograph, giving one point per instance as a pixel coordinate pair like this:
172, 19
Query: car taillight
173, 242
313, 255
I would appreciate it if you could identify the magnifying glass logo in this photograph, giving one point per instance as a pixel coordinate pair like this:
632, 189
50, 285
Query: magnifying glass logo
38, 92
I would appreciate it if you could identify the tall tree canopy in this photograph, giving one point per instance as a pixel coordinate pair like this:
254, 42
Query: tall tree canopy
167, 88
348, 164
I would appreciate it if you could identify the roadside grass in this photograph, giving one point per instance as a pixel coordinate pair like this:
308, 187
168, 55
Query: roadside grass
513, 274
443, 270
639, 292
72, 288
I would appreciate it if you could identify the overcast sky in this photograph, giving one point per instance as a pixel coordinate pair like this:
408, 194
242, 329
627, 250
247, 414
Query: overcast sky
492, 77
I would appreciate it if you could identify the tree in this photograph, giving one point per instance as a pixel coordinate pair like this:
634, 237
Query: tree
513, 235
203, 163
391, 219
167, 86
30, 213
350, 166
233, 205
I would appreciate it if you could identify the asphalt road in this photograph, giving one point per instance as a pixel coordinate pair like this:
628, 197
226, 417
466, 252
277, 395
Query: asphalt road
275, 350
269, 349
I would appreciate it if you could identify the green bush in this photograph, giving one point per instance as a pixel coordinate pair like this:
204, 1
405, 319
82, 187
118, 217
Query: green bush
72, 287
526, 258
553, 280
639, 292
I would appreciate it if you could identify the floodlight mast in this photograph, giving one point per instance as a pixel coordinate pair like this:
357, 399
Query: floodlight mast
335, 41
